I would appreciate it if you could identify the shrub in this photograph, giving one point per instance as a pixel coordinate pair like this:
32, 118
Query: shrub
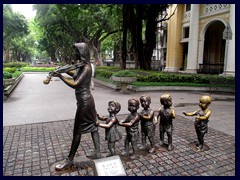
16, 74
15, 64
10, 69
104, 73
124, 73
37, 69
7, 75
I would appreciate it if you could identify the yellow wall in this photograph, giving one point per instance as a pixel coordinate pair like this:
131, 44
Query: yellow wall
174, 57
174, 47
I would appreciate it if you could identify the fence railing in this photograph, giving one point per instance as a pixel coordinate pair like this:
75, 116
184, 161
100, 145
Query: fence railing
211, 68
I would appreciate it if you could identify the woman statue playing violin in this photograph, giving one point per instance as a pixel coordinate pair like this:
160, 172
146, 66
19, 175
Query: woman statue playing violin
86, 115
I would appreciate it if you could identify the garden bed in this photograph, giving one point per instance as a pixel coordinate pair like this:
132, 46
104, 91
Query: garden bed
9, 85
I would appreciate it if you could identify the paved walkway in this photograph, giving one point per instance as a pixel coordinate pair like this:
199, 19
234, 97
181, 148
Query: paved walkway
38, 122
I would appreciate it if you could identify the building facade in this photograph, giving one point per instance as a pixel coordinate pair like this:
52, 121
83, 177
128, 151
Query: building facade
201, 39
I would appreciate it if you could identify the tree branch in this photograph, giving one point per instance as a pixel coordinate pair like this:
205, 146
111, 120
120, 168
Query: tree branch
165, 19
108, 34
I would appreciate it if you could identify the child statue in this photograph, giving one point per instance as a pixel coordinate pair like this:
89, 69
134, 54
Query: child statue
166, 114
147, 124
201, 121
112, 135
131, 124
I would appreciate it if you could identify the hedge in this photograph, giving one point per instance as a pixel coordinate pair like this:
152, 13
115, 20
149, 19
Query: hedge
166, 77
15, 64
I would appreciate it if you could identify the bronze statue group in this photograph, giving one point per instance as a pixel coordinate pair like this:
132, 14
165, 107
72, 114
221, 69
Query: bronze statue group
87, 119
148, 121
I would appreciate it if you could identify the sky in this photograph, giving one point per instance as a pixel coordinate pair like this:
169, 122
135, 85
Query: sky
24, 9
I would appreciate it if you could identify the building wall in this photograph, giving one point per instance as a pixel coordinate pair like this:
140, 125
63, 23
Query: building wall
208, 13
174, 47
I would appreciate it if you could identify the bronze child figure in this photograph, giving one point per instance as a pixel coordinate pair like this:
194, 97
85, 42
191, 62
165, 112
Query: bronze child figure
147, 124
112, 134
131, 124
86, 115
166, 114
201, 121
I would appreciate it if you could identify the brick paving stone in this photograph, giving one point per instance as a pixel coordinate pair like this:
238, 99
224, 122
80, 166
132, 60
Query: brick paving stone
31, 150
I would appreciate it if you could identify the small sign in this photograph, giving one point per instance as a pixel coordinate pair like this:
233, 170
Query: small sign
110, 166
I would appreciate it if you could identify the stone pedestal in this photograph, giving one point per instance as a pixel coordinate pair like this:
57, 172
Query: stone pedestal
124, 81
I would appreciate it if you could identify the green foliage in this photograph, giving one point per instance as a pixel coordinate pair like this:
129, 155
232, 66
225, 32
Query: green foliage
58, 26
189, 78
153, 78
107, 68
103, 73
10, 69
16, 74
125, 73
7, 75
11, 72
37, 69
169, 84
15, 35
15, 64
14, 25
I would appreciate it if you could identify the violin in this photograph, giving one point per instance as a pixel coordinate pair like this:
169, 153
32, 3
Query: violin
63, 69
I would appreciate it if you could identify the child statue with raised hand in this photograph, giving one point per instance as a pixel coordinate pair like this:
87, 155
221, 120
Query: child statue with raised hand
166, 114
112, 134
147, 124
131, 124
201, 121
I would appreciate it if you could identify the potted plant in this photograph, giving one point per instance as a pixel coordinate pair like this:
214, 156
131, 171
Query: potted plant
124, 77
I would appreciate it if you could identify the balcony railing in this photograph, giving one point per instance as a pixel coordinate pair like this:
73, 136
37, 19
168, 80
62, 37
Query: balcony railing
211, 68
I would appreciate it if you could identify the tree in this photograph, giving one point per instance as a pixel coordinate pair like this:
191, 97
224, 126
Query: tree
134, 19
15, 27
65, 24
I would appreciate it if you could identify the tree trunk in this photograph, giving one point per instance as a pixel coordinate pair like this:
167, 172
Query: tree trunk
52, 56
150, 35
7, 55
124, 43
133, 17
138, 39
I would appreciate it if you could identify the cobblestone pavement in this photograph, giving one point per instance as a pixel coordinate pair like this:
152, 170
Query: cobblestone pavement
33, 149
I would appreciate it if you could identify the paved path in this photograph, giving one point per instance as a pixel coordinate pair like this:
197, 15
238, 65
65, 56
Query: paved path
38, 123
34, 102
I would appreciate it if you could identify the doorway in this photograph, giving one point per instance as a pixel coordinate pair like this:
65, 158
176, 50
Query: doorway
214, 49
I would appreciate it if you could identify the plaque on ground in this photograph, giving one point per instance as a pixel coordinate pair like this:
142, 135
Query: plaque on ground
110, 166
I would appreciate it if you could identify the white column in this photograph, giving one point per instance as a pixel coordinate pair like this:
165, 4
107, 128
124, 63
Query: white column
230, 64
193, 40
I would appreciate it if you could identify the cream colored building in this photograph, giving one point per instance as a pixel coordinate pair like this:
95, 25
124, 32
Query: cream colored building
197, 40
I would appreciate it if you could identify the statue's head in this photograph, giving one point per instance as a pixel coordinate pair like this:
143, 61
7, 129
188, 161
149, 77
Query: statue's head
133, 104
166, 100
205, 101
81, 52
145, 98
116, 104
